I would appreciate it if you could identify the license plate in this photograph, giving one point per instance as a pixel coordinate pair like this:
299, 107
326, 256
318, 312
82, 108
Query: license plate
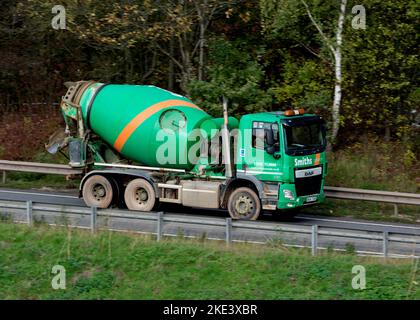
310, 199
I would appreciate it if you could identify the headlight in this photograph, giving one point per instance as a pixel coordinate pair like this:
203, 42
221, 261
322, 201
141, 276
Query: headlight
288, 194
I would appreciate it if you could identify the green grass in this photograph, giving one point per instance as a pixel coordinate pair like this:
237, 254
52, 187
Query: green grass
375, 165
365, 210
24, 180
125, 266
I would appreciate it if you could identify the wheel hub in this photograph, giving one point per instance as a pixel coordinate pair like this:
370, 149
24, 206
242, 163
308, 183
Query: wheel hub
99, 192
141, 195
244, 205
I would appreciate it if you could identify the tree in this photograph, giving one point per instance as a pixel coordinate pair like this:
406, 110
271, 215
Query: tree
381, 66
278, 14
138, 26
336, 51
192, 41
234, 72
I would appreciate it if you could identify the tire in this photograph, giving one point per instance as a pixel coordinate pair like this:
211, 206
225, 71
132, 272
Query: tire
244, 204
98, 191
140, 195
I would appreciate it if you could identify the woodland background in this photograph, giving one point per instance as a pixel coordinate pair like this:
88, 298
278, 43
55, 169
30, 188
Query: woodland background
261, 54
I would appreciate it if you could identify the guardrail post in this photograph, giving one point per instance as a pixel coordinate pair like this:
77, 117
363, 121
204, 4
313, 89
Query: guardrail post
314, 241
228, 230
385, 243
4, 177
159, 226
29, 215
395, 209
93, 216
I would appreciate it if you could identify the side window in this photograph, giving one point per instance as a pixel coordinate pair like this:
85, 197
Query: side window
258, 135
260, 130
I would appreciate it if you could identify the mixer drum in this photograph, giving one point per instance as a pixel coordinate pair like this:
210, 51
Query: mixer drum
139, 121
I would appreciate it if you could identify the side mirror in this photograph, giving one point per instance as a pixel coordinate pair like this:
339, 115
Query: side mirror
269, 138
270, 150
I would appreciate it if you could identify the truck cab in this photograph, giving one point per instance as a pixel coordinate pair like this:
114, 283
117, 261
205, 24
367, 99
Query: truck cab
278, 163
285, 151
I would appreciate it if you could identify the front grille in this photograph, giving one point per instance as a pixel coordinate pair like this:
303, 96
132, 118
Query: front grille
308, 186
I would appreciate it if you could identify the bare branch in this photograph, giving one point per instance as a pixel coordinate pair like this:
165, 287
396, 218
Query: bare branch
330, 46
197, 45
151, 69
181, 48
170, 56
313, 52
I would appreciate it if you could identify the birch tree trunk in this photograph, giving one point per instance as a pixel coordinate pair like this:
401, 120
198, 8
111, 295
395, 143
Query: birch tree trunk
336, 52
338, 76
205, 14
201, 51
171, 65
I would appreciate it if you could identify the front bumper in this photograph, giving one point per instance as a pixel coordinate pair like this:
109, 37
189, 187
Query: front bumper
294, 201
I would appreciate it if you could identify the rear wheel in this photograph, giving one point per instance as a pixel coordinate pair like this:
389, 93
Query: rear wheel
98, 191
244, 204
140, 195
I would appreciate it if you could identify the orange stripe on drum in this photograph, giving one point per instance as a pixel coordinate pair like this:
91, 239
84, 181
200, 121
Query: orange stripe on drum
144, 115
317, 158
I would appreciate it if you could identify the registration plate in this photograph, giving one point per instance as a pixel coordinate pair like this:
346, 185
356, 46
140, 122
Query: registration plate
310, 199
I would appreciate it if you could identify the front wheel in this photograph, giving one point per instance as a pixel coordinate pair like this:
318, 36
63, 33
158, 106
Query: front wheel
244, 204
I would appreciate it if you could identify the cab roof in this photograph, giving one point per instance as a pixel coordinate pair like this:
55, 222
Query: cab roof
261, 116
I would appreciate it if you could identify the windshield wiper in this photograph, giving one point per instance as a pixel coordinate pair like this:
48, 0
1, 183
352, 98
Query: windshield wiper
305, 146
297, 145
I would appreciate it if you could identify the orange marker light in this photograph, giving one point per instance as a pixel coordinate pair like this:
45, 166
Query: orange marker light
289, 113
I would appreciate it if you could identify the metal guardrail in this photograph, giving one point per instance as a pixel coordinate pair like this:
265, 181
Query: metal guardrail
331, 192
373, 195
37, 167
227, 230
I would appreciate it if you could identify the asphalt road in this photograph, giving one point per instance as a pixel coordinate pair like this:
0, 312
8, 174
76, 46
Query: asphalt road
334, 224
44, 196
71, 198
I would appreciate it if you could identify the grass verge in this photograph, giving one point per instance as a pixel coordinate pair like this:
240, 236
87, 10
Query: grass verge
112, 265
375, 165
365, 210
24, 180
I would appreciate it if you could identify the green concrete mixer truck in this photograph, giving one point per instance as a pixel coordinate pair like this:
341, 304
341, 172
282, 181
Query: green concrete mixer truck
141, 145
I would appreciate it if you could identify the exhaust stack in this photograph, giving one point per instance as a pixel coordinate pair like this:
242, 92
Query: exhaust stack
226, 141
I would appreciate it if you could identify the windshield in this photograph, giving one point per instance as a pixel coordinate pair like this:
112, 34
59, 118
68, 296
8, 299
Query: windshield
306, 138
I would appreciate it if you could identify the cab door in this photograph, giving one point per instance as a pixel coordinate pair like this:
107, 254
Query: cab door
260, 151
